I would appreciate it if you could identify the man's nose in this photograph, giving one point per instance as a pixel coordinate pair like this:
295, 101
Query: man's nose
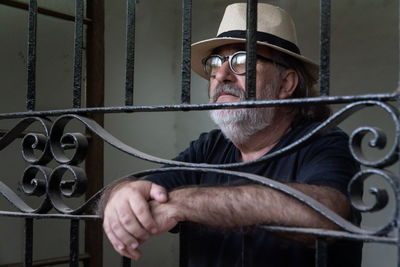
225, 74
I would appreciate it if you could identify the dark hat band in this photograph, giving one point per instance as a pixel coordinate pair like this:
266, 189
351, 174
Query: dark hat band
264, 37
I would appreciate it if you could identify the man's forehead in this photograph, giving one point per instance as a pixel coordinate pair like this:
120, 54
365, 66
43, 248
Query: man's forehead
239, 47
230, 47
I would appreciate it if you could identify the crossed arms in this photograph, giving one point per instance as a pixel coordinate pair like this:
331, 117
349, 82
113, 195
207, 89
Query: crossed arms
134, 211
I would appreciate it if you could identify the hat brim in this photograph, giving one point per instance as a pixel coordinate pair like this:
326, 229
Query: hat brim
204, 48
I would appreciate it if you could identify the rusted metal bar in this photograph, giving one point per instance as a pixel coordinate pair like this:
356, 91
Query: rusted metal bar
325, 36
32, 29
183, 245
130, 51
78, 53
186, 42
48, 262
321, 254
23, 134
43, 11
95, 98
74, 244
338, 235
251, 46
398, 58
193, 107
48, 216
247, 248
28, 250
125, 262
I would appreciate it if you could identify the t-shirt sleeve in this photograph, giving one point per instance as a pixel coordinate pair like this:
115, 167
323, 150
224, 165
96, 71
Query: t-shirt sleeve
194, 154
328, 161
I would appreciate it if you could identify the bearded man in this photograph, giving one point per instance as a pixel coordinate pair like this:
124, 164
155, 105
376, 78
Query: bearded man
218, 207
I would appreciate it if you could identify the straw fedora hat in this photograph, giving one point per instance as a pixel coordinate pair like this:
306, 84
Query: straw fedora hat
275, 29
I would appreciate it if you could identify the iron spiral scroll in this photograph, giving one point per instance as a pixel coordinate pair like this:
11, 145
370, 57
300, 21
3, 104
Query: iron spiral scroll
53, 142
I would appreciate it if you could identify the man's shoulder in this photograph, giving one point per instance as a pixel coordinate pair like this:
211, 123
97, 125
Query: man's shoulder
317, 129
314, 136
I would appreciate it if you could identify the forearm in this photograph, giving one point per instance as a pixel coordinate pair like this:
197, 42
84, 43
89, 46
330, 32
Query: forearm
255, 204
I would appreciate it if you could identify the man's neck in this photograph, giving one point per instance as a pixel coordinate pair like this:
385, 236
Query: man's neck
263, 141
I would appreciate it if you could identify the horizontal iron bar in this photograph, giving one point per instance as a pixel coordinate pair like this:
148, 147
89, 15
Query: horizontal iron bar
44, 11
49, 262
331, 233
307, 231
192, 107
22, 135
48, 216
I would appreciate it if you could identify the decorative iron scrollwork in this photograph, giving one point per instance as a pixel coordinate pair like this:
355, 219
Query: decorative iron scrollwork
31, 184
57, 142
60, 142
36, 142
356, 187
39, 149
378, 140
57, 188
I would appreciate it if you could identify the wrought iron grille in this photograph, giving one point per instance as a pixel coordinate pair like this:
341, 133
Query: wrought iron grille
39, 148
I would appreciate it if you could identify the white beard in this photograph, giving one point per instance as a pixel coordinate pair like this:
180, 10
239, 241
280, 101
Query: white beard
240, 124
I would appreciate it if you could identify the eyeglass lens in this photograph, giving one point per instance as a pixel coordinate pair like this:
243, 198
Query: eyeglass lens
237, 63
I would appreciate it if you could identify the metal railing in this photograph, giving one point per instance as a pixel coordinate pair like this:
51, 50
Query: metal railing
52, 141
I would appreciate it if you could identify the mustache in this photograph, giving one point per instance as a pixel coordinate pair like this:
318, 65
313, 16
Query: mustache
227, 89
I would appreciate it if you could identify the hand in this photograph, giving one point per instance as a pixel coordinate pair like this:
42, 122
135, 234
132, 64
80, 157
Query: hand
128, 221
166, 215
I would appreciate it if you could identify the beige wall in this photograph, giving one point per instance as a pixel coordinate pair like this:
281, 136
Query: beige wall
364, 60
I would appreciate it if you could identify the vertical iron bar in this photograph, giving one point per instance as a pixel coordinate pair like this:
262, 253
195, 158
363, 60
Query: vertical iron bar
247, 247
74, 244
130, 51
321, 252
94, 164
28, 242
32, 29
251, 47
78, 53
186, 49
183, 245
398, 137
324, 72
397, 211
125, 262
398, 55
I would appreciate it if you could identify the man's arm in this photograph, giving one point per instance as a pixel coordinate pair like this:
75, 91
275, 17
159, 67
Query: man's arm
247, 205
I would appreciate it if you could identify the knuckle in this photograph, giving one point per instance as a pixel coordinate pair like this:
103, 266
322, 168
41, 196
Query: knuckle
142, 234
140, 210
115, 227
125, 219
147, 224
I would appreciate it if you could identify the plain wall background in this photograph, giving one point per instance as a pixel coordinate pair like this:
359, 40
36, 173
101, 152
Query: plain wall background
364, 59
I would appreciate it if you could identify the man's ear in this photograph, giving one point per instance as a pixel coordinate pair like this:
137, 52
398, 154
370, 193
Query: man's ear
289, 81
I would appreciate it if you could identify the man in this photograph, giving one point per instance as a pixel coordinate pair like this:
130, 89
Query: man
218, 208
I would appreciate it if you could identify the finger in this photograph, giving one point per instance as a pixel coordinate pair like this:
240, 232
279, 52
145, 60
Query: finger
133, 255
140, 207
128, 251
125, 251
116, 228
115, 242
158, 193
130, 223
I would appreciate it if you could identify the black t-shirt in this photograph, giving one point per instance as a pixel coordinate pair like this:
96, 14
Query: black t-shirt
326, 160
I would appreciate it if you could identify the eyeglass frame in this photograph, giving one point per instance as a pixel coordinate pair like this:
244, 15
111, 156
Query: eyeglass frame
229, 58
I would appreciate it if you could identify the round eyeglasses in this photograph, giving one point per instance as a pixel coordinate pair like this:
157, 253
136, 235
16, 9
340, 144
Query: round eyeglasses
237, 63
